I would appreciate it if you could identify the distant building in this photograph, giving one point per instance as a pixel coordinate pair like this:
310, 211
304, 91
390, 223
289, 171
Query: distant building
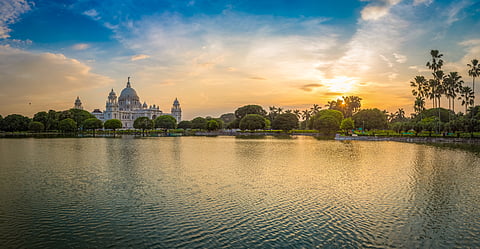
128, 107
78, 104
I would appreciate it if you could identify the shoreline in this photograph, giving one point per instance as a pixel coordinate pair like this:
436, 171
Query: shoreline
338, 137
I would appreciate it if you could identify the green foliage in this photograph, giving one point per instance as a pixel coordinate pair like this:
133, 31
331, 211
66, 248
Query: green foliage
347, 124
15, 122
52, 120
199, 123
113, 124
326, 123
41, 117
67, 125
36, 126
234, 124
445, 114
143, 123
227, 117
79, 116
165, 122
184, 124
252, 122
249, 109
329, 112
1, 123
370, 119
92, 124
285, 121
212, 125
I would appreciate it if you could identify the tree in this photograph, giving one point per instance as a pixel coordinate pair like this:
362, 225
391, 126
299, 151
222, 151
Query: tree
113, 124
326, 124
474, 72
15, 122
252, 122
419, 104
41, 117
285, 121
52, 120
435, 65
327, 121
199, 123
1, 123
370, 119
328, 112
467, 97
185, 124
165, 122
347, 124
452, 84
143, 123
227, 117
250, 109
67, 125
92, 124
212, 125
79, 116
36, 126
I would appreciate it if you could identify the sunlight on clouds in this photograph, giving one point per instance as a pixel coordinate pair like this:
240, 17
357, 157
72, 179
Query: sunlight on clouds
47, 80
139, 57
377, 9
341, 84
80, 46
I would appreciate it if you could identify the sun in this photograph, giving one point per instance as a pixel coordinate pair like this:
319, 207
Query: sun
341, 84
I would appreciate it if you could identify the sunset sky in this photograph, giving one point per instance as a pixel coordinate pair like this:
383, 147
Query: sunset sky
218, 55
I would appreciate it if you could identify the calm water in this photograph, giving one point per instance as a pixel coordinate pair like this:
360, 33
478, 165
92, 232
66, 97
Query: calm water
226, 192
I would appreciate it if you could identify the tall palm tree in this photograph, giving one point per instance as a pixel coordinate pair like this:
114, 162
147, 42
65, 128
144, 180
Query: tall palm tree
419, 104
421, 87
474, 71
435, 65
467, 97
453, 82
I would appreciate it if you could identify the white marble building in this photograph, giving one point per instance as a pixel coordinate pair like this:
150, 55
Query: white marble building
128, 107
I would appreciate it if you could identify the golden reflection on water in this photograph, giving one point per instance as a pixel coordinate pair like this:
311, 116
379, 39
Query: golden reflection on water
214, 192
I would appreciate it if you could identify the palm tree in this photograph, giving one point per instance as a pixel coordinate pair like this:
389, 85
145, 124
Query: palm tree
421, 87
453, 82
474, 71
419, 104
467, 97
315, 109
306, 114
289, 111
297, 113
435, 65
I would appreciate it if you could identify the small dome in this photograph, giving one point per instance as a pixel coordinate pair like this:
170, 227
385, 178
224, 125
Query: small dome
145, 105
112, 93
128, 93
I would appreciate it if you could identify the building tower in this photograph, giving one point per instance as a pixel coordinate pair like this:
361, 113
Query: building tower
78, 104
177, 111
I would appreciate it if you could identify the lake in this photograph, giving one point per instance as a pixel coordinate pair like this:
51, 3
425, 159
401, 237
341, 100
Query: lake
227, 192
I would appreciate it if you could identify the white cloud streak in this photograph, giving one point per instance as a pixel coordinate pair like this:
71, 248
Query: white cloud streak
10, 11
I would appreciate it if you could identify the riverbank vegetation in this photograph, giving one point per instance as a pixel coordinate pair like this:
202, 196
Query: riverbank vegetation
343, 115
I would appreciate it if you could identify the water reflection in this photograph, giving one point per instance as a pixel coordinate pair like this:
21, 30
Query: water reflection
211, 192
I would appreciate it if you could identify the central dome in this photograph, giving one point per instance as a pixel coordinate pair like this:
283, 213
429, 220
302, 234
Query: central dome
128, 93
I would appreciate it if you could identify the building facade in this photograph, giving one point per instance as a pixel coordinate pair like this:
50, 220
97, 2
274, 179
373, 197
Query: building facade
128, 107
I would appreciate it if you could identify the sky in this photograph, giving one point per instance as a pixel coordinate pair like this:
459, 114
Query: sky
218, 55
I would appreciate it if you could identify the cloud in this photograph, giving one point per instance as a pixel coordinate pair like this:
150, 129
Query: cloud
400, 58
92, 13
10, 11
309, 87
139, 57
257, 78
377, 9
46, 80
80, 46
